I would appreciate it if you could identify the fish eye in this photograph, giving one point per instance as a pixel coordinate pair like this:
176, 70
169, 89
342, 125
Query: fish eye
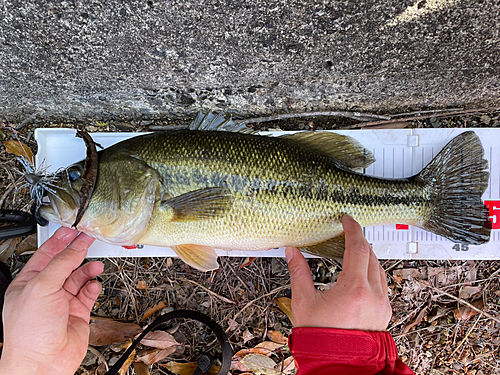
73, 175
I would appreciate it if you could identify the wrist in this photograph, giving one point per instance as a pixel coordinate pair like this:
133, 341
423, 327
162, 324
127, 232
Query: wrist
23, 366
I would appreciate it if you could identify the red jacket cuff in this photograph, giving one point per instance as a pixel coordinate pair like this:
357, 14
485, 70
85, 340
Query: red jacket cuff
321, 350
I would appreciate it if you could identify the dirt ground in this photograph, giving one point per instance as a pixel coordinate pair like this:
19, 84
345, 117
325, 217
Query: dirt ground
446, 314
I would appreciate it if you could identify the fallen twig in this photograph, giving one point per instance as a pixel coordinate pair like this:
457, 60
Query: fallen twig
394, 121
458, 299
353, 115
467, 335
417, 321
7, 192
99, 355
432, 111
209, 291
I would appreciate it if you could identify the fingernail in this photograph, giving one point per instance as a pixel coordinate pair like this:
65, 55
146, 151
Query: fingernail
79, 246
288, 254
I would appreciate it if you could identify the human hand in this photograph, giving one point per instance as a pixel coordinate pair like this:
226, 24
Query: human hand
47, 308
359, 300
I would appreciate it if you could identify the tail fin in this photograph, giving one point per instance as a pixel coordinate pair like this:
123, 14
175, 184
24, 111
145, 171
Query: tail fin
458, 179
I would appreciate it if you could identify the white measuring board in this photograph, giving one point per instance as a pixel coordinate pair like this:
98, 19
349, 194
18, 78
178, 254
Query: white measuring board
399, 153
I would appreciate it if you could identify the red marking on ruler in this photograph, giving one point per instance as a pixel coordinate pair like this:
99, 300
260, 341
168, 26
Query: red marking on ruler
401, 227
130, 247
494, 207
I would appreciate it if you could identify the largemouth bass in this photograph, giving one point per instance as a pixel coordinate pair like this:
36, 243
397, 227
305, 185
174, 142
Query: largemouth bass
197, 190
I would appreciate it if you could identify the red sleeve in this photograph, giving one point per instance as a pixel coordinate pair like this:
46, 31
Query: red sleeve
326, 351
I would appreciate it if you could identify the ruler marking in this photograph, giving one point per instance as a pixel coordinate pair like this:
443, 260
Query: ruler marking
423, 158
498, 171
383, 162
393, 162
403, 173
490, 163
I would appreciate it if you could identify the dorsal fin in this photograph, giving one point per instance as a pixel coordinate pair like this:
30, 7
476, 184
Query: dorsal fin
211, 122
341, 147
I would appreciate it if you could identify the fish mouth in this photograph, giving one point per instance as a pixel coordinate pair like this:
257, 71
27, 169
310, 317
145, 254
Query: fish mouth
60, 206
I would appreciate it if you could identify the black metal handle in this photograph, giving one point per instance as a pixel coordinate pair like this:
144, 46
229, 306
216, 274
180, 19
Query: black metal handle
188, 314
21, 224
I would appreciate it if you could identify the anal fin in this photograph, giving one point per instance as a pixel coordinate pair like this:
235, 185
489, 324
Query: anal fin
203, 258
333, 248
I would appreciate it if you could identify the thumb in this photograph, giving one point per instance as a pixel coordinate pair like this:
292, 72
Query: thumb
300, 275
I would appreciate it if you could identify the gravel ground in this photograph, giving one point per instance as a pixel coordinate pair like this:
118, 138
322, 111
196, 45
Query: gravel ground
435, 331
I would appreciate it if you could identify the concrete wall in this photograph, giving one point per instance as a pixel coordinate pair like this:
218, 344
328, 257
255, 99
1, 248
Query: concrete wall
163, 59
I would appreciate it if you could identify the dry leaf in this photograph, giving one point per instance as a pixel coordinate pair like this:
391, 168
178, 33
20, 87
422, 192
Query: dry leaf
247, 336
270, 345
287, 366
101, 369
260, 364
141, 369
416, 322
285, 304
277, 337
247, 262
8, 247
100, 356
28, 244
123, 370
472, 272
443, 277
468, 291
397, 278
159, 340
159, 306
435, 271
233, 324
105, 332
236, 365
20, 149
408, 273
244, 352
152, 356
465, 312
142, 286
187, 368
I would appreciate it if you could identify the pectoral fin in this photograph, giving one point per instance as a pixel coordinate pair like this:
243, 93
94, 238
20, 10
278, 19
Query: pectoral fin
341, 147
203, 258
333, 248
200, 204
